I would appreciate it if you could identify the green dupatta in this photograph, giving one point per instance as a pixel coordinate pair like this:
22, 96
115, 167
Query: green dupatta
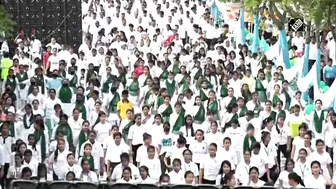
199, 118
66, 130
318, 121
126, 129
228, 124
81, 139
268, 76
159, 101
260, 89
275, 100
243, 112
213, 107
40, 83
21, 78
133, 89
65, 94
232, 101
179, 122
288, 100
114, 102
12, 129
273, 115
166, 113
106, 84
73, 83
223, 91
91, 161
82, 109
247, 145
203, 96
40, 136
170, 87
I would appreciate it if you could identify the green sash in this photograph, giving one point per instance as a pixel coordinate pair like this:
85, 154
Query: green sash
268, 76
40, 83
214, 108
66, 130
288, 100
232, 101
166, 113
89, 75
223, 91
106, 84
65, 94
275, 100
31, 120
22, 78
91, 161
281, 77
39, 135
113, 103
81, 139
203, 96
198, 74
122, 78
12, 129
228, 124
146, 97
273, 115
199, 118
318, 121
247, 97
247, 145
176, 69
208, 80
260, 89
31, 88
256, 111
179, 122
133, 89
183, 81
88, 96
82, 109
63, 74
185, 87
11, 82
126, 130
170, 87
243, 112
73, 83
164, 75
159, 101
282, 113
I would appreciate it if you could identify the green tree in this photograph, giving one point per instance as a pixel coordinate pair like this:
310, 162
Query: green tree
6, 24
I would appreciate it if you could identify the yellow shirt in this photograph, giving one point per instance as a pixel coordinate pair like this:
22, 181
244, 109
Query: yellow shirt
122, 107
249, 81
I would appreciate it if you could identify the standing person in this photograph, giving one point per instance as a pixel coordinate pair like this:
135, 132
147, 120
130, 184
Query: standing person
65, 95
6, 64
23, 79
58, 160
209, 166
49, 108
124, 105
41, 137
6, 141
329, 73
318, 120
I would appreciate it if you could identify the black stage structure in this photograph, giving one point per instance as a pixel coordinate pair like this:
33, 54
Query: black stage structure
60, 19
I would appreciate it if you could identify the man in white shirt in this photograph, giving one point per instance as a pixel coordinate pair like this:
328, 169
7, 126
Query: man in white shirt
299, 42
35, 46
125, 162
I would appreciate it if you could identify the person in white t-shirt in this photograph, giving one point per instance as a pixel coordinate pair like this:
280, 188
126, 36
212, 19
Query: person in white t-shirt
299, 42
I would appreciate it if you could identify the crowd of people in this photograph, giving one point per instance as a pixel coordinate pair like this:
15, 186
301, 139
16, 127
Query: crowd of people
160, 93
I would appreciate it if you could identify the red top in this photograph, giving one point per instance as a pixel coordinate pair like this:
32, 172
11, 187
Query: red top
138, 71
46, 56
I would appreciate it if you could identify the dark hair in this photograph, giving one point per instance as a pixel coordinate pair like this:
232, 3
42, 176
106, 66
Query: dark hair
56, 151
124, 156
26, 170
191, 128
289, 160
27, 152
253, 168
294, 176
226, 178
71, 173
145, 168
127, 169
187, 173
40, 168
221, 172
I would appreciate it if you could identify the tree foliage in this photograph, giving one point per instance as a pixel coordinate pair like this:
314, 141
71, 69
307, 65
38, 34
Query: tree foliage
6, 24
